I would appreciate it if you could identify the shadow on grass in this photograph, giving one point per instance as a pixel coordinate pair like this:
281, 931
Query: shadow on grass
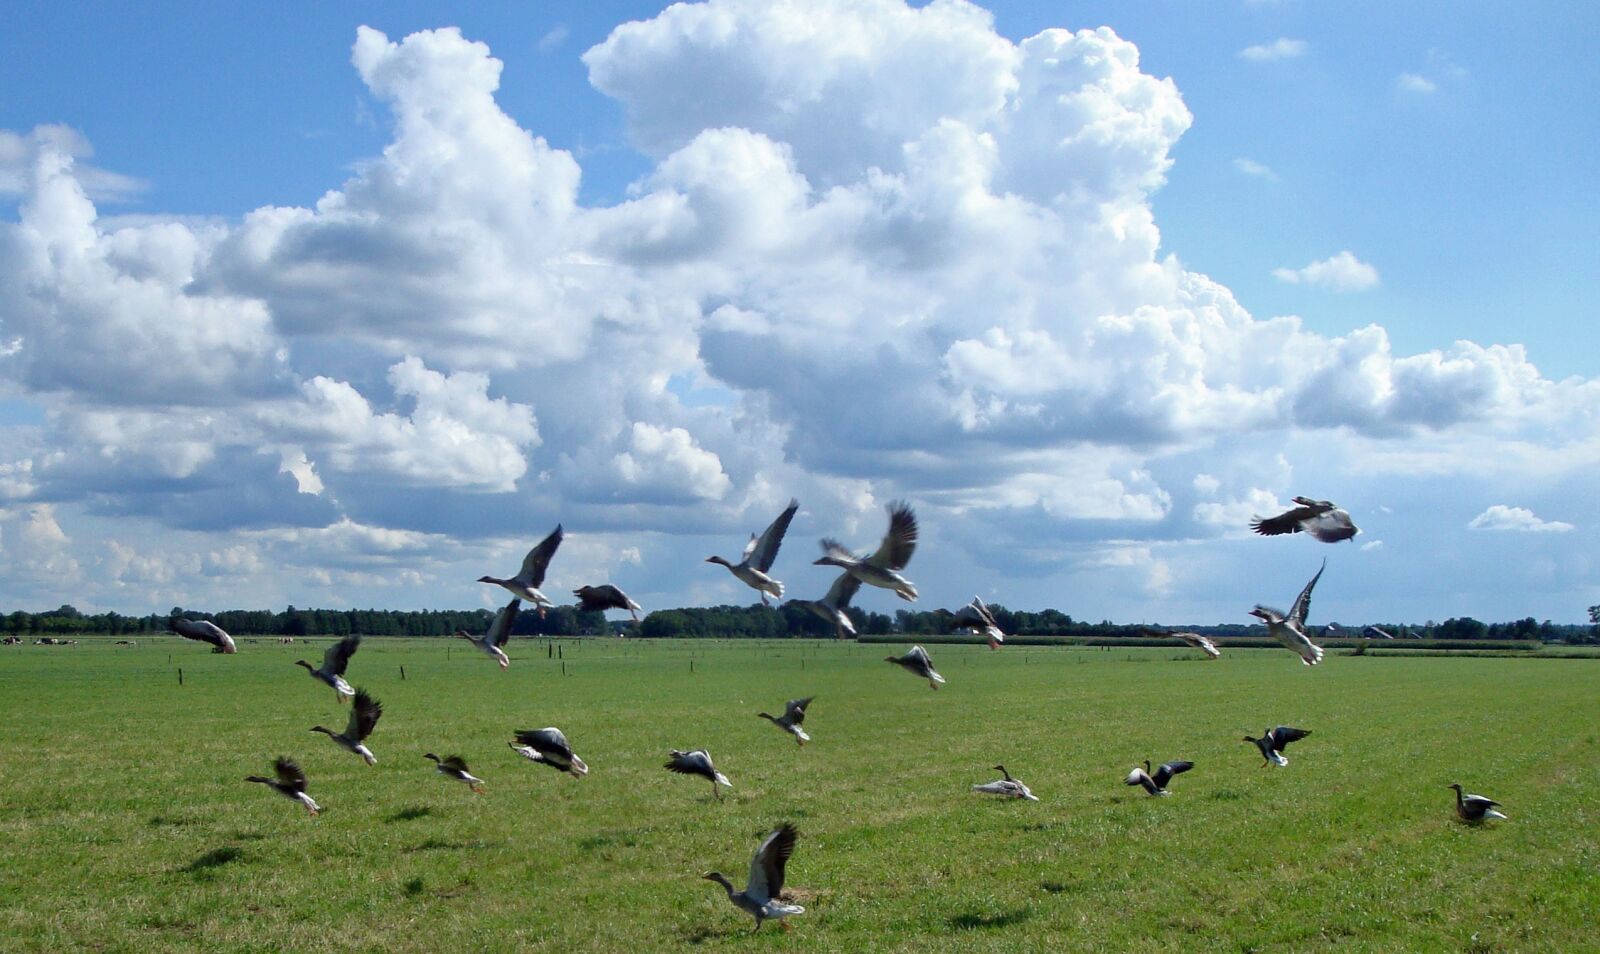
215, 858
410, 814
972, 919
704, 933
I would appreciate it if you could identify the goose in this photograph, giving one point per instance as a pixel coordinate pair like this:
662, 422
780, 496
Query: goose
1475, 808
1320, 518
1291, 630
882, 567
525, 585
290, 783
334, 662
204, 631
751, 570
1199, 642
977, 617
1008, 787
1272, 742
916, 660
364, 714
493, 642
455, 767
549, 747
794, 713
698, 763
1157, 784
761, 897
604, 597
833, 605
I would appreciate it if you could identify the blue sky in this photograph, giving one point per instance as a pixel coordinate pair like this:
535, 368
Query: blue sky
347, 333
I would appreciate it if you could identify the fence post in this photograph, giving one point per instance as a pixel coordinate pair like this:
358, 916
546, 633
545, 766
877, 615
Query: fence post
180, 675
402, 674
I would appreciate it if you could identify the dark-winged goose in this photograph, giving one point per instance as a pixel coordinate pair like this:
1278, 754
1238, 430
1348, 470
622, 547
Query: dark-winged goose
793, 714
1272, 742
698, 762
204, 631
290, 782
493, 642
883, 567
916, 661
1156, 784
753, 567
454, 766
761, 897
833, 605
525, 585
1475, 808
1290, 630
1008, 787
1320, 518
977, 617
334, 662
364, 714
549, 747
604, 597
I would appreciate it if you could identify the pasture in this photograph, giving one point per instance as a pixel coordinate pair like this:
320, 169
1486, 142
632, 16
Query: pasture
125, 824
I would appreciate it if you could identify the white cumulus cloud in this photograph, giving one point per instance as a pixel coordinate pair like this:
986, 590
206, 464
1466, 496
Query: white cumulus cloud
1521, 519
1342, 272
1283, 48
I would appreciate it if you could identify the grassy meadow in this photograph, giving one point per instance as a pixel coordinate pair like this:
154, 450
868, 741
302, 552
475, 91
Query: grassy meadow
125, 824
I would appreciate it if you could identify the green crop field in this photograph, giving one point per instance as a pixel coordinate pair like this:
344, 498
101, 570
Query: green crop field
125, 823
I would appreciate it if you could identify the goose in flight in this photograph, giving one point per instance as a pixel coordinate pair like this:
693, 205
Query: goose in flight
1202, 643
525, 585
290, 782
793, 714
832, 606
698, 763
204, 631
916, 661
493, 642
334, 662
1320, 518
760, 898
883, 567
752, 568
1291, 630
364, 714
1475, 808
455, 767
977, 617
549, 747
1157, 784
604, 597
1272, 742
1008, 787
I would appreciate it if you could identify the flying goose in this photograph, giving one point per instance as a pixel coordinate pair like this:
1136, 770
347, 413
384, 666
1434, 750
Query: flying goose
1157, 784
916, 660
760, 898
525, 585
1291, 630
605, 597
364, 714
1272, 742
1008, 786
549, 746
204, 631
1320, 518
455, 767
698, 763
334, 662
1475, 808
794, 713
493, 641
883, 566
290, 782
1202, 643
977, 617
751, 570
832, 606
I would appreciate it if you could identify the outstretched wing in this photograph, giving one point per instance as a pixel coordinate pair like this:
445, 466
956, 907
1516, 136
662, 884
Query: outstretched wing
842, 591
545, 740
364, 714
766, 547
1168, 769
1302, 603
289, 774
766, 868
795, 711
901, 540
534, 564
455, 763
697, 762
1284, 734
338, 655
500, 630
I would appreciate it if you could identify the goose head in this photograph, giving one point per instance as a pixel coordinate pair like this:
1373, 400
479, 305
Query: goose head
487, 579
302, 662
717, 559
323, 729
430, 755
719, 878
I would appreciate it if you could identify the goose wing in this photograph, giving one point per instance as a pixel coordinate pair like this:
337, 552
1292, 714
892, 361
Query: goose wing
203, 631
338, 655
500, 630
764, 549
455, 764
901, 540
1482, 802
534, 564
842, 591
547, 740
289, 774
917, 657
766, 868
1284, 734
1168, 769
1302, 603
697, 762
364, 714
795, 711
603, 597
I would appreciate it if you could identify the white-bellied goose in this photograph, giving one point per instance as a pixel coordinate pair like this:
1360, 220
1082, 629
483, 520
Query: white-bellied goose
525, 585
290, 782
493, 642
916, 661
882, 567
364, 714
1199, 642
977, 617
454, 766
1272, 742
334, 662
1157, 784
752, 568
1291, 630
1475, 808
604, 597
832, 606
1320, 518
698, 763
1008, 787
549, 746
793, 714
204, 631
761, 897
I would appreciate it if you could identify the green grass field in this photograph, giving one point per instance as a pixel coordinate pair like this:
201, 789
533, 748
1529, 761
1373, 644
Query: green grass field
125, 824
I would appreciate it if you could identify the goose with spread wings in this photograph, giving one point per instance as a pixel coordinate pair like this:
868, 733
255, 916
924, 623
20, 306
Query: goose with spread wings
832, 606
1202, 643
794, 713
364, 714
1272, 742
698, 762
549, 746
916, 661
455, 767
1290, 630
525, 585
493, 642
761, 898
334, 663
1156, 783
289, 781
1475, 808
978, 618
603, 597
753, 567
1320, 518
1007, 786
204, 631
882, 568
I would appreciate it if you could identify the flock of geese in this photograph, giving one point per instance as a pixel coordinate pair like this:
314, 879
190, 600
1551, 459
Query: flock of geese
762, 896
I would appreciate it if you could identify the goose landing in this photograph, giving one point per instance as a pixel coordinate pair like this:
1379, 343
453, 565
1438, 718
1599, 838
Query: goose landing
760, 898
1008, 787
290, 783
1474, 809
1157, 784
753, 567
